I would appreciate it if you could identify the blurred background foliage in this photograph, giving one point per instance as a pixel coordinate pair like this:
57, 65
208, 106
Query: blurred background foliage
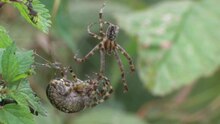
175, 46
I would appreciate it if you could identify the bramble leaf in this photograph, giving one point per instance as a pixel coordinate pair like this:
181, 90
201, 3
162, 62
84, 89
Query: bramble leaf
10, 65
15, 65
178, 43
26, 97
5, 40
41, 21
25, 60
1, 53
15, 114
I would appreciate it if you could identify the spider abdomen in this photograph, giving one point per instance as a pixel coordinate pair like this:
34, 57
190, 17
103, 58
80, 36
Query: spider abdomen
109, 46
63, 98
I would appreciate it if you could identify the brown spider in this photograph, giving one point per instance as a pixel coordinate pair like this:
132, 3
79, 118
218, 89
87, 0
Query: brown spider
75, 95
108, 45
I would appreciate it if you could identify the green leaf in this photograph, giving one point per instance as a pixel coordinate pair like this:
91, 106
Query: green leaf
15, 114
178, 43
1, 53
107, 116
54, 117
5, 40
25, 60
43, 17
27, 98
15, 65
10, 65
201, 104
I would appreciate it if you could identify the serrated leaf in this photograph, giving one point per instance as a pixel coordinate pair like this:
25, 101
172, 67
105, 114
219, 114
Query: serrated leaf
43, 17
1, 53
25, 60
108, 116
27, 98
5, 40
15, 65
15, 114
178, 43
10, 65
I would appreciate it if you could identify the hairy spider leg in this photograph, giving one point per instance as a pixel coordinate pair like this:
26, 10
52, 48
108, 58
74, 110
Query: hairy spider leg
63, 73
108, 23
92, 93
122, 71
101, 28
101, 22
72, 74
91, 53
127, 56
93, 34
109, 88
106, 91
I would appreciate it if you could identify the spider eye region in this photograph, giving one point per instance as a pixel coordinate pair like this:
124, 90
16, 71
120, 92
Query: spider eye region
112, 32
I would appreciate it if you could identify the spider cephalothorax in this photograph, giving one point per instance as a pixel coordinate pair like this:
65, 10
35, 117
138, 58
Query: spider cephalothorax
108, 45
112, 32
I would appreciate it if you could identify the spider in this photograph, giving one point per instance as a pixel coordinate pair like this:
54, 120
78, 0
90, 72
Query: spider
75, 95
109, 46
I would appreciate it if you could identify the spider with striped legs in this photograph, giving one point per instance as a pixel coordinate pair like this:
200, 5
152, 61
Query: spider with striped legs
108, 45
75, 95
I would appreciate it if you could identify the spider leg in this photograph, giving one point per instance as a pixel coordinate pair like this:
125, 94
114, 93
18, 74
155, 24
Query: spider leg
63, 72
91, 53
73, 74
93, 34
94, 96
95, 102
108, 87
95, 84
101, 22
108, 23
122, 71
91, 92
127, 56
104, 94
106, 91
